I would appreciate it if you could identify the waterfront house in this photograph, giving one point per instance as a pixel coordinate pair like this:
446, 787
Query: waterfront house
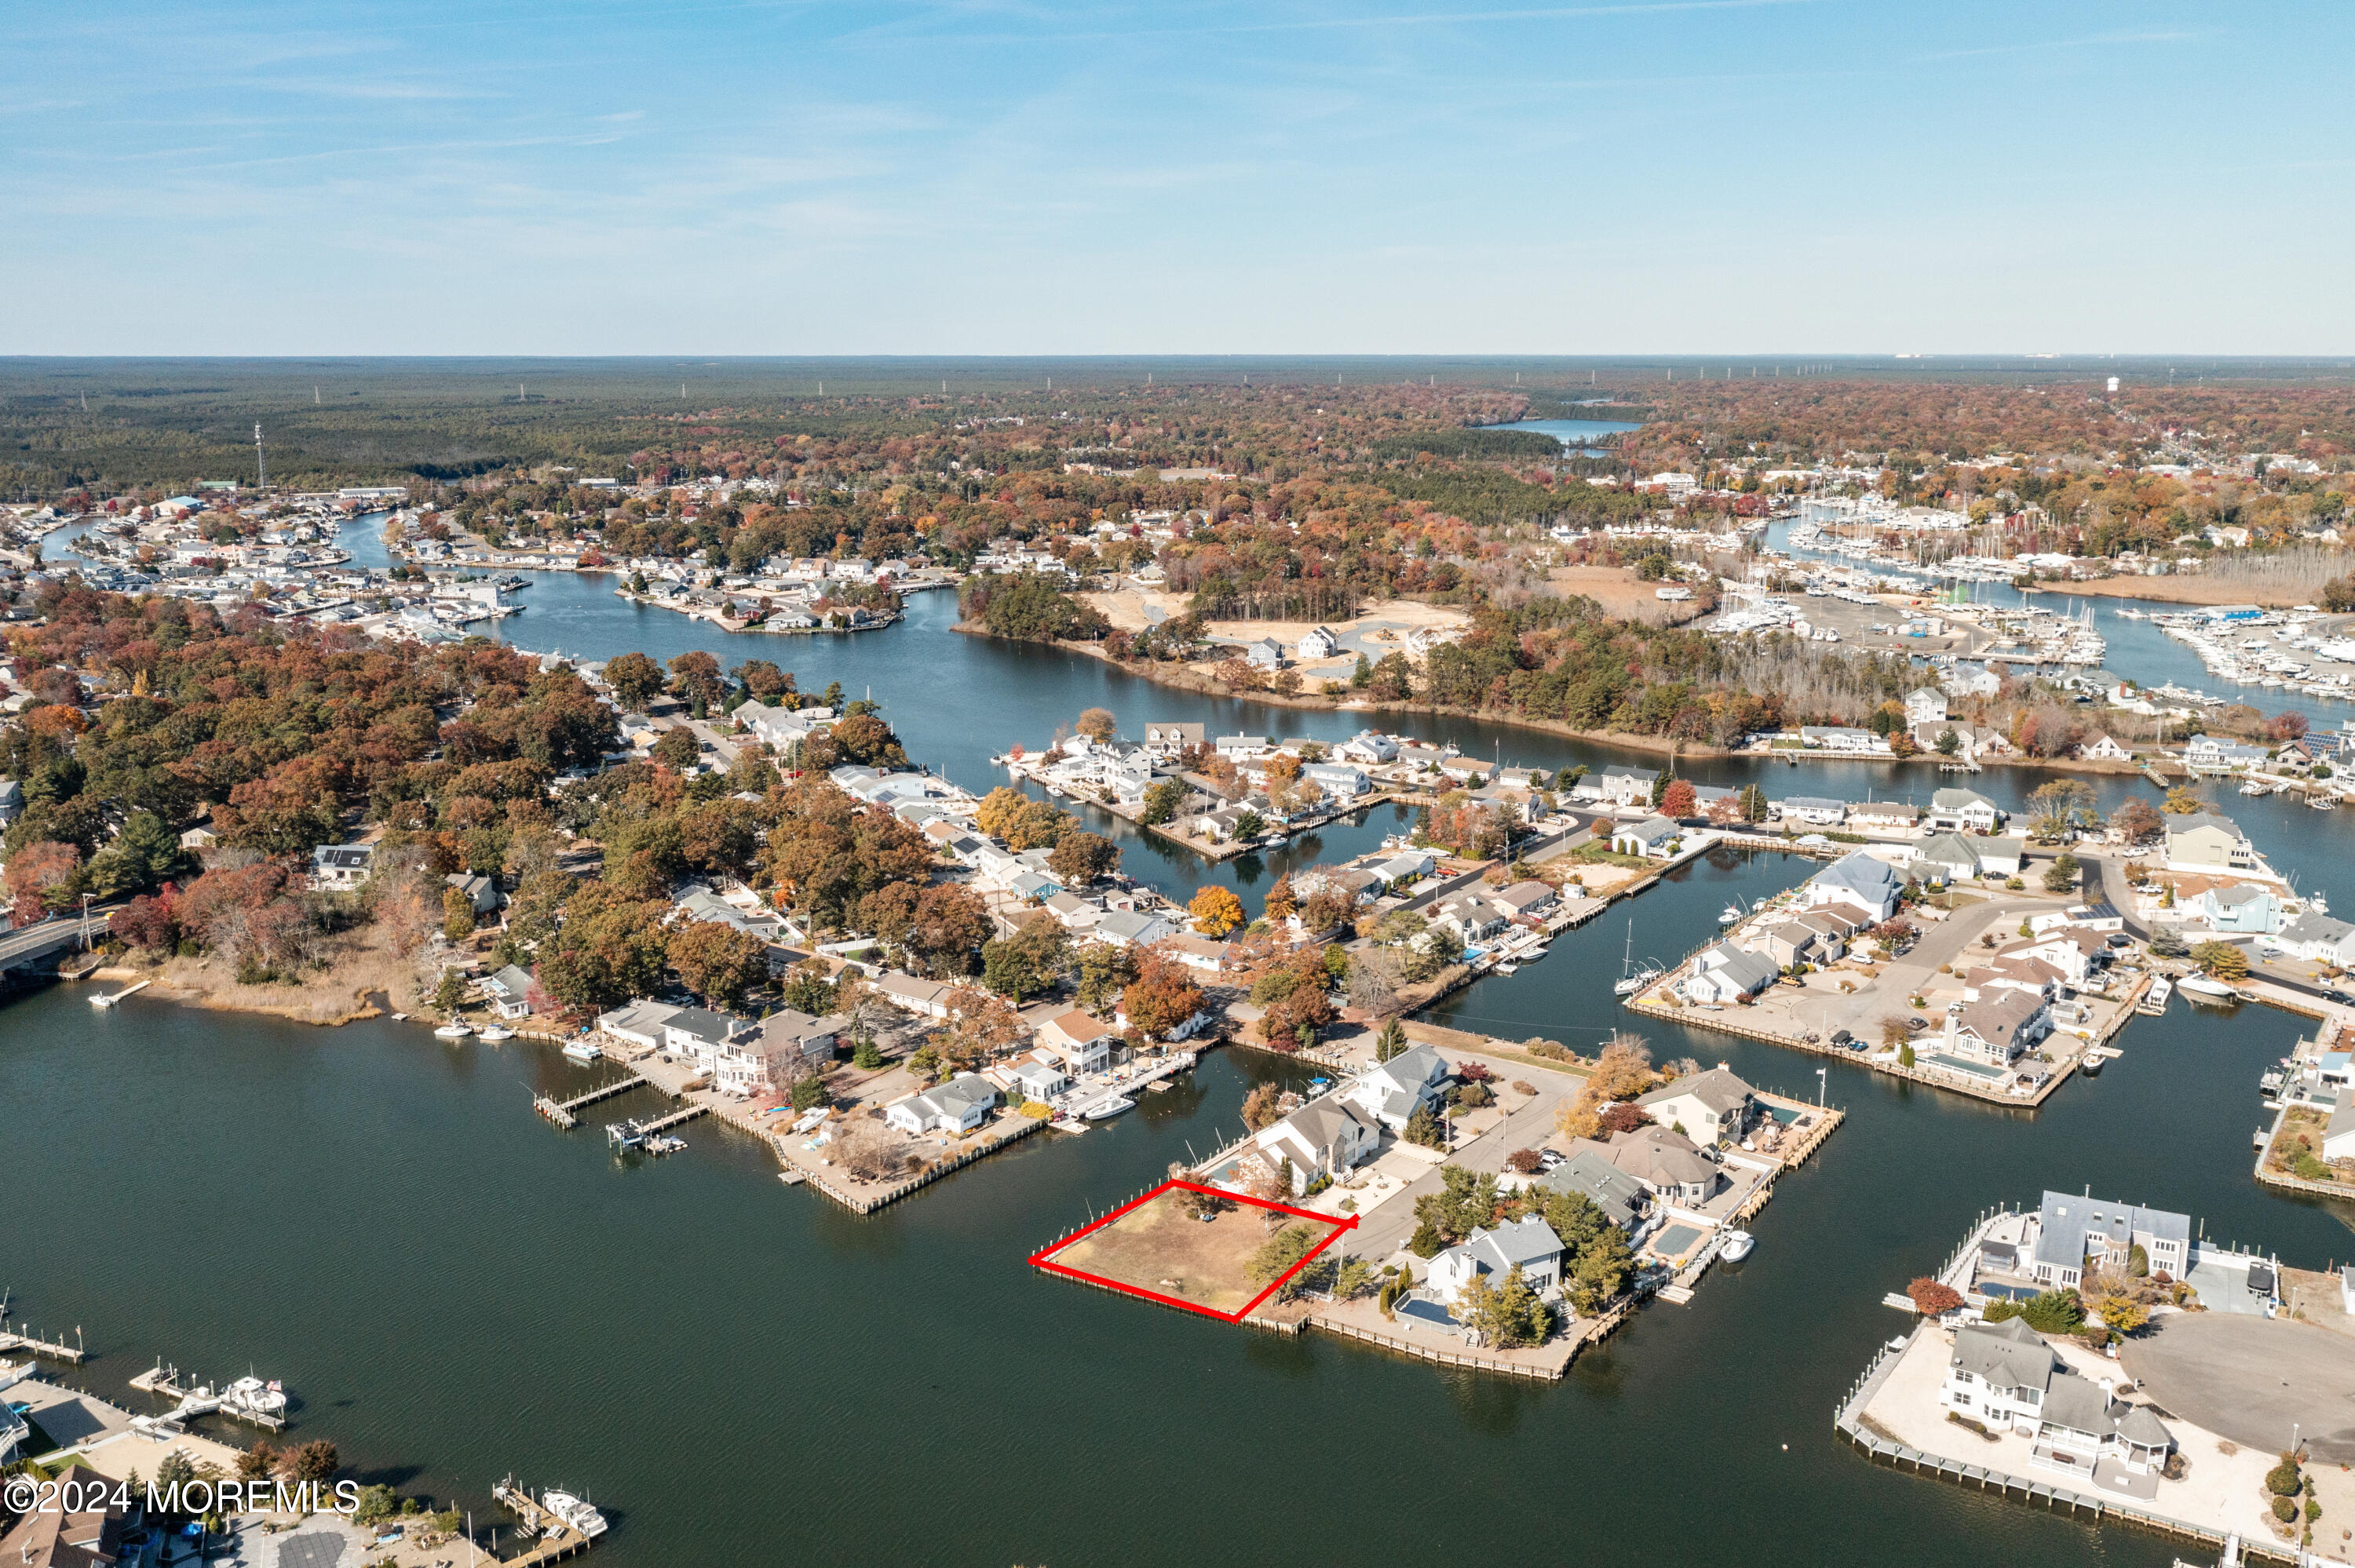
1725, 974
637, 1023
2206, 841
925, 998
1969, 680
337, 867
1235, 747
2004, 1377
1816, 811
2237, 907
2338, 1135
1670, 1166
1714, 1106
1470, 914
1392, 1091
1858, 879
1039, 1077
1083, 1041
1960, 811
2001, 857
789, 1045
2205, 754
954, 1108
1403, 868
1493, 1253
1320, 642
2104, 748
1651, 838
1618, 787
1882, 817
1169, 739
1843, 738
2320, 940
1525, 900
2069, 1229
1466, 769
508, 990
1926, 705
1621, 1198
1339, 781
1368, 747
1266, 653
1328, 1137
1794, 942
1999, 1027
697, 1035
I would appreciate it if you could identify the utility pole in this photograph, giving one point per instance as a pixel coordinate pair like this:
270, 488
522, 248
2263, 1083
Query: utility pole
260, 463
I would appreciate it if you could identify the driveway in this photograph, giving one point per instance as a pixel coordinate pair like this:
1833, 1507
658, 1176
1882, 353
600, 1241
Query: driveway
1389, 1228
2254, 1380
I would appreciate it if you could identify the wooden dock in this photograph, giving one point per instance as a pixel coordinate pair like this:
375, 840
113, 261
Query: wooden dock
557, 1540
566, 1113
675, 1119
165, 1380
47, 1350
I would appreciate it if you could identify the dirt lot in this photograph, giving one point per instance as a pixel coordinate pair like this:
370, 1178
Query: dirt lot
1620, 593
1156, 1247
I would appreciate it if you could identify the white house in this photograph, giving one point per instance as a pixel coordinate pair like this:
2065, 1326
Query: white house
1128, 928
341, 866
1084, 1041
1711, 1107
1816, 811
637, 1023
2107, 749
2319, 939
2070, 1229
508, 990
928, 999
1999, 1027
1926, 705
956, 1106
1368, 746
1958, 811
1394, 1090
1528, 1244
1651, 838
1858, 879
1328, 1137
1725, 974
2006, 1378
1339, 781
1320, 642
2205, 841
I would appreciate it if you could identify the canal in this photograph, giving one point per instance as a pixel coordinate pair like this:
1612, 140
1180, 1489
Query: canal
741, 1373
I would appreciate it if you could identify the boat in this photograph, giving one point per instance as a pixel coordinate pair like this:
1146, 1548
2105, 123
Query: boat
400, 1018
1738, 1246
1631, 978
494, 1033
2323, 802
1504, 967
1730, 913
453, 1030
2090, 1064
574, 1511
250, 1396
582, 1049
664, 1143
2206, 986
2155, 999
1104, 1110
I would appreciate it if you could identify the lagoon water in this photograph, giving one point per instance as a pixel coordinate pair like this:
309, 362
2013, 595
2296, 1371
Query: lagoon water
742, 1373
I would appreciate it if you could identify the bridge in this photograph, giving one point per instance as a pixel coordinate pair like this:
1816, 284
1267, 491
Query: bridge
37, 941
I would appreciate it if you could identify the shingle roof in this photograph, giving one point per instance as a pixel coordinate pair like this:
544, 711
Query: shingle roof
1718, 1089
2009, 1354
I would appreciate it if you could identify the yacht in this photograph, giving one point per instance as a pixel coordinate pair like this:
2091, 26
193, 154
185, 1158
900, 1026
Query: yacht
2206, 986
1104, 1110
582, 1049
453, 1030
494, 1033
574, 1511
1738, 1244
2154, 1001
1730, 913
252, 1396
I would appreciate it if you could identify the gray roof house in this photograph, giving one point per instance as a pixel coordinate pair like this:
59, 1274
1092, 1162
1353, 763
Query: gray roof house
2004, 1375
1393, 1090
1859, 879
1949, 856
1528, 1244
11, 800
1725, 974
509, 990
1666, 1161
1266, 653
2070, 1229
956, 1106
1327, 1137
480, 891
1709, 1105
1620, 1196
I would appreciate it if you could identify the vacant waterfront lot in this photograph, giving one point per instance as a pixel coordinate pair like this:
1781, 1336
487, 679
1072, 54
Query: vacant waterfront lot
1157, 1247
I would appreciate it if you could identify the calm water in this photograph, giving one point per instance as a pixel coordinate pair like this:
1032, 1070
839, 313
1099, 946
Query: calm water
741, 1372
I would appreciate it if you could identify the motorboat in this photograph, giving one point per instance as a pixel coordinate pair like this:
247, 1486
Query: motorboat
2206, 986
494, 1033
2154, 1001
582, 1051
252, 1396
1738, 1246
574, 1511
1730, 913
1104, 1110
453, 1030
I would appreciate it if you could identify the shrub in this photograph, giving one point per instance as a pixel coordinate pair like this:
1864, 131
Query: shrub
1931, 1298
2284, 1510
2054, 1312
2282, 1481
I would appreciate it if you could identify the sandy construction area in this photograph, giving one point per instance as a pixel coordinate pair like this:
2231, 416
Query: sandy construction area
1156, 1247
1623, 594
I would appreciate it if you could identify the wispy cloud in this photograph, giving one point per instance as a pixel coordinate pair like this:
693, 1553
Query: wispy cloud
2091, 41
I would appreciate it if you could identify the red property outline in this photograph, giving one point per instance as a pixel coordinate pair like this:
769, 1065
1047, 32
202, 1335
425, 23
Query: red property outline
1039, 1259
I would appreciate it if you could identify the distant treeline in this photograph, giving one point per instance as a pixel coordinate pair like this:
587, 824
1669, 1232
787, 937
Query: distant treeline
1468, 443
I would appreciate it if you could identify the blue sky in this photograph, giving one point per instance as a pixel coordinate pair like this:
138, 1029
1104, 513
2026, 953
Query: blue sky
577, 176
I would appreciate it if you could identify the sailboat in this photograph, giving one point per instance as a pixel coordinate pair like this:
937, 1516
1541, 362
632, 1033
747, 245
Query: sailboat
1631, 978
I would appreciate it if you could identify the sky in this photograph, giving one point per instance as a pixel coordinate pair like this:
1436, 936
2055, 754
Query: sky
1403, 176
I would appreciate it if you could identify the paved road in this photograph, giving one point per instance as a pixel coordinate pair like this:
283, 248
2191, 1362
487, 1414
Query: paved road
2250, 1379
33, 941
1388, 1228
